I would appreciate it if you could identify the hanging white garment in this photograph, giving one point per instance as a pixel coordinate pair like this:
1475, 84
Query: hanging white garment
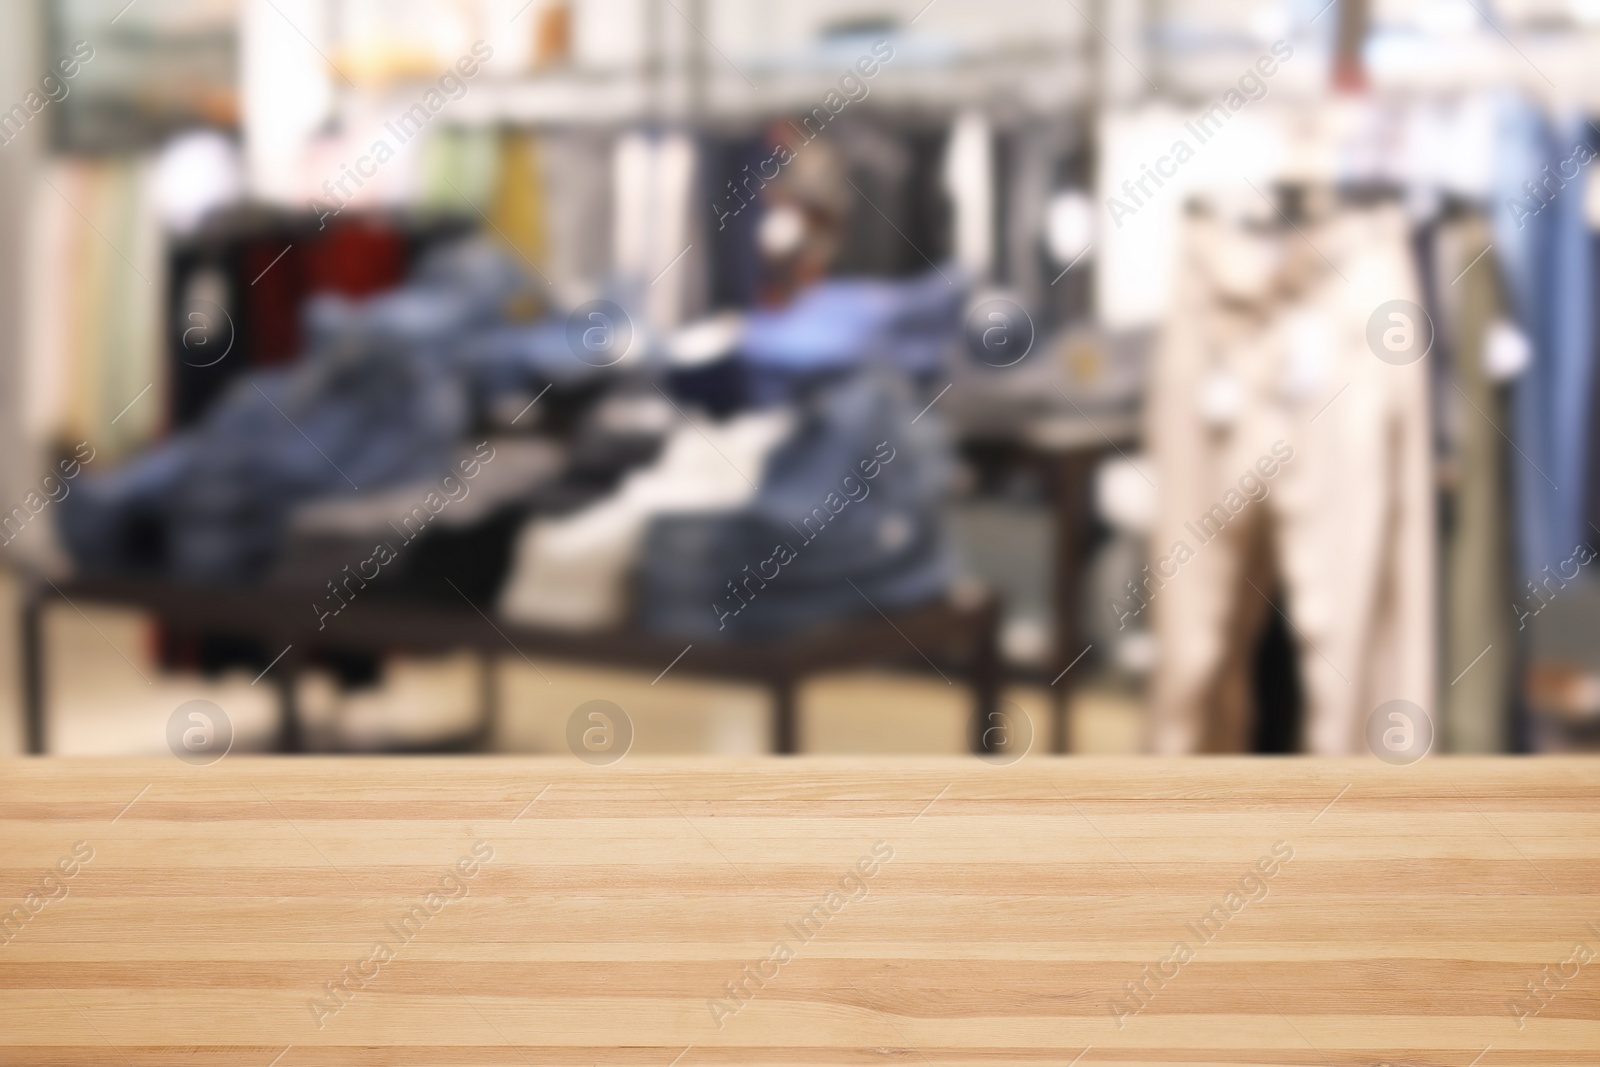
1344, 519
652, 179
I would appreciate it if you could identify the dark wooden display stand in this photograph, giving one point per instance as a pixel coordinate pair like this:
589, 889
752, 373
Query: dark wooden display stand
951, 633
1068, 450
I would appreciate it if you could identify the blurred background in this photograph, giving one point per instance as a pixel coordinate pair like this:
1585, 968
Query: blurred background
891, 376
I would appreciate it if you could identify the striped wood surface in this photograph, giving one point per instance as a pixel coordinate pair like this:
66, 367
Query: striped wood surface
800, 912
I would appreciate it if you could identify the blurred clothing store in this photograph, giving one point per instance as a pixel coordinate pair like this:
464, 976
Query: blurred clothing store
586, 376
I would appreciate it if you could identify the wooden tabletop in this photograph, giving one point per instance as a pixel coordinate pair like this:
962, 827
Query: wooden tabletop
540, 912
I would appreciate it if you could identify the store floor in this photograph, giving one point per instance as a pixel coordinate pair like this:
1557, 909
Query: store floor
107, 698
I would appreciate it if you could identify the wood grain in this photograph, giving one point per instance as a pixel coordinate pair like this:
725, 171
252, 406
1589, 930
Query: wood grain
617, 906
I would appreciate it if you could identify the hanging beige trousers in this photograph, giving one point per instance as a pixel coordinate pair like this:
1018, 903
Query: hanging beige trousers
1266, 354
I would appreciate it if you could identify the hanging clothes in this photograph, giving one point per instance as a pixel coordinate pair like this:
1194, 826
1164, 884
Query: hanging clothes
734, 264
518, 214
1042, 161
654, 225
1476, 547
899, 216
1284, 448
1591, 517
576, 174
1547, 260
459, 169
96, 328
969, 175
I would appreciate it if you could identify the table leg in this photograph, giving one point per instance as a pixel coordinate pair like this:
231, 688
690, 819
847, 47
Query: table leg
986, 669
32, 650
783, 717
290, 736
488, 703
1074, 527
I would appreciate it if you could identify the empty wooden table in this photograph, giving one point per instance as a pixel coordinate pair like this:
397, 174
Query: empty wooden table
509, 911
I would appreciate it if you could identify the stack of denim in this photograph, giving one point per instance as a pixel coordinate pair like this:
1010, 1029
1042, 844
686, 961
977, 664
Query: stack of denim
507, 357
842, 323
854, 494
217, 499
378, 401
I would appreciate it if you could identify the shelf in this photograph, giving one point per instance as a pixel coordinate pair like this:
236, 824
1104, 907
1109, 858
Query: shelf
1557, 67
1040, 79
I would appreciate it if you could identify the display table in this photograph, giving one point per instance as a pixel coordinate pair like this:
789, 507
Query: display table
957, 630
500, 911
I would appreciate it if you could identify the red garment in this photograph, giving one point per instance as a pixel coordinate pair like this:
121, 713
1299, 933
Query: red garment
354, 258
